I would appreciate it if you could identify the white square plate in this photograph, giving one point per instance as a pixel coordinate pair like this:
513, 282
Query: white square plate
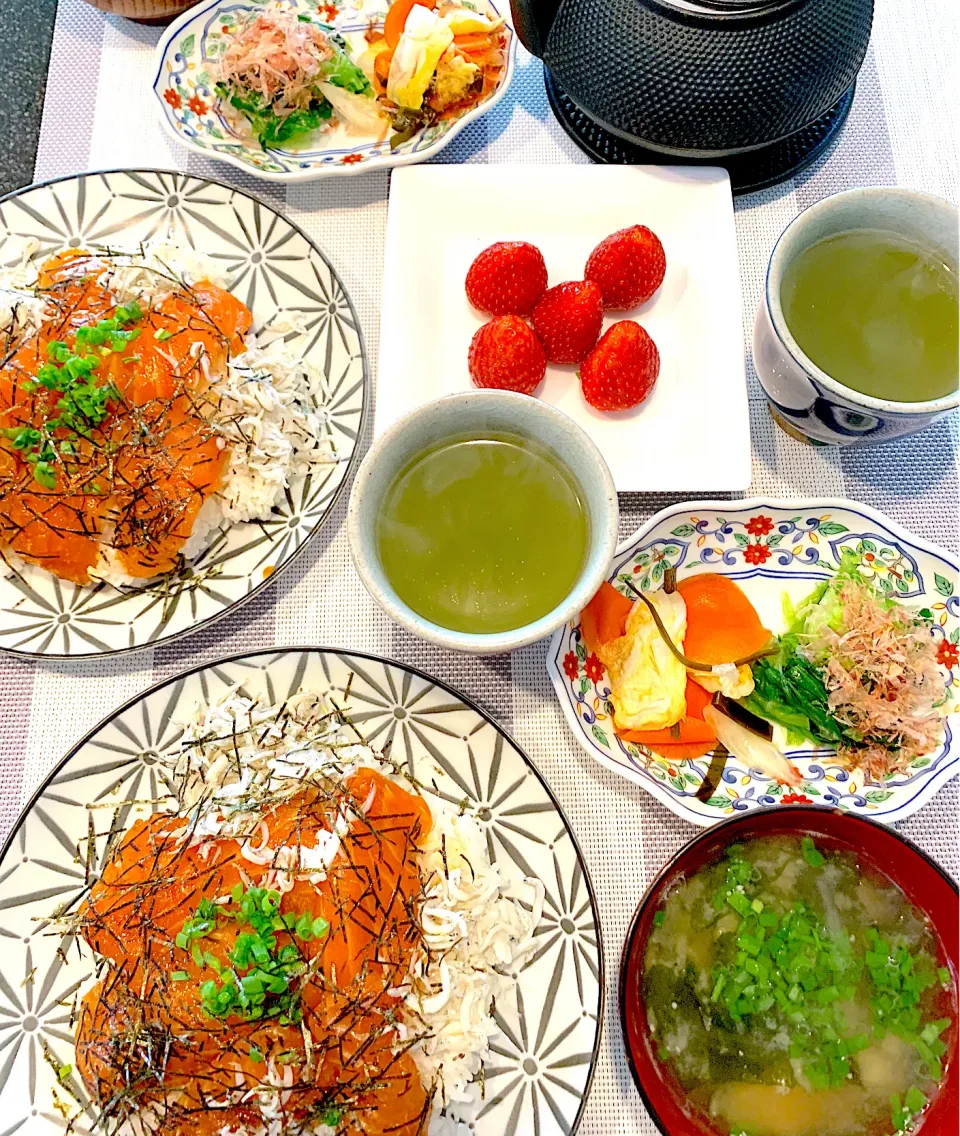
693, 431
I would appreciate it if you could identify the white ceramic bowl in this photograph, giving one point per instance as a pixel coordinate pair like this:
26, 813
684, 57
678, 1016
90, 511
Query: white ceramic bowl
481, 411
190, 109
805, 400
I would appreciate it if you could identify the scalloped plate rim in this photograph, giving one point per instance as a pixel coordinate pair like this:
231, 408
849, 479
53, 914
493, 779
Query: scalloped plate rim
938, 778
381, 162
352, 464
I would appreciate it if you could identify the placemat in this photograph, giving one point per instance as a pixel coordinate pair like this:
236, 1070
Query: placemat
902, 130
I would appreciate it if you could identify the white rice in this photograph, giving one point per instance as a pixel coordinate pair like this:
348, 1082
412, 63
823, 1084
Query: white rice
477, 930
474, 932
22, 311
267, 406
267, 412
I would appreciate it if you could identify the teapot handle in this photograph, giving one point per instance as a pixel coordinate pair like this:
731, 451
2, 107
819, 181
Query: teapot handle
533, 20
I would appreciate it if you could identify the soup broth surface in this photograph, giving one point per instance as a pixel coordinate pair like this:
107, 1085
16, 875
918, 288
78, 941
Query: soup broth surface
793, 994
483, 534
876, 312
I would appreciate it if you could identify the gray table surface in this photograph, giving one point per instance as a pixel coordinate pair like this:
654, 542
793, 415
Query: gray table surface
26, 29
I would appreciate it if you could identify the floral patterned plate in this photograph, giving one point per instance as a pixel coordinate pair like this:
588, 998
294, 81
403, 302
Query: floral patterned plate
191, 115
274, 268
546, 1051
771, 548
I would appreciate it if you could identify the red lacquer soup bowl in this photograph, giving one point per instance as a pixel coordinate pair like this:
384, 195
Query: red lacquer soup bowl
879, 849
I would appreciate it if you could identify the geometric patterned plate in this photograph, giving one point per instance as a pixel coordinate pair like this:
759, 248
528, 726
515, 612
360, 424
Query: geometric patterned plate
190, 108
543, 1059
771, 548
273, 267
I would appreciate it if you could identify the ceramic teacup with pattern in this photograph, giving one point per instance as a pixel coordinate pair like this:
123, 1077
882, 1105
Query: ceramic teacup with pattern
807, 402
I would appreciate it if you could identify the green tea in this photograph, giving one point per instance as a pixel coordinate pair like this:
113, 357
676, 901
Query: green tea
876, 312
483, 534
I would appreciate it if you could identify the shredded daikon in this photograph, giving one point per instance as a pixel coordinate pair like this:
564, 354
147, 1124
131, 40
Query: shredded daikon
22, 310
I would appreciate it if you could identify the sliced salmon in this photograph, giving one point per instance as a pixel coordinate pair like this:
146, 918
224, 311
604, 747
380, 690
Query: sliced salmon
154, 884
137, 481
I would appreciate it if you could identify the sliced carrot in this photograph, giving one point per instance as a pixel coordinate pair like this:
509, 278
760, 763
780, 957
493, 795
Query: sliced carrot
381, 69
722, 624
478, 56
396, 19
588, 624
691, 730
674, 751
605, 616
472, 41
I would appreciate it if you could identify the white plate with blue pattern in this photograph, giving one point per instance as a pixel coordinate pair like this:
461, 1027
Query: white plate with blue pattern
771, 548
191, 113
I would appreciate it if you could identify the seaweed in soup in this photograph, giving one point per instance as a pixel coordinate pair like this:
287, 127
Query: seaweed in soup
796, 994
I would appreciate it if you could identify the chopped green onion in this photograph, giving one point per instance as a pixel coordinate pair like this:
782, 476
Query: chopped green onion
812, 856
265, 981
915, 1101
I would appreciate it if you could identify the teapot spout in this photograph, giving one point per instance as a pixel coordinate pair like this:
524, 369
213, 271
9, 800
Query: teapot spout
533, 20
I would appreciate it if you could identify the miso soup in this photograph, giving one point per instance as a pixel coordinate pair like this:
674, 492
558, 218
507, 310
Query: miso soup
793, 994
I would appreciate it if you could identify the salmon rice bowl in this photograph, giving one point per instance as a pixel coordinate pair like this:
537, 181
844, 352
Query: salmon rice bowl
301, 940
141, 415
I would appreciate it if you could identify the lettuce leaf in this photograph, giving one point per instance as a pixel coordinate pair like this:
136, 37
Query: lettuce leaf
299, 122
342, 72
270, 128
357, 111
823, 608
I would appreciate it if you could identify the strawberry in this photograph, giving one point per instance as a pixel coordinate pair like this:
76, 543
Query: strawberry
505, 353
507, 279
568, 318
621, 370
628, 266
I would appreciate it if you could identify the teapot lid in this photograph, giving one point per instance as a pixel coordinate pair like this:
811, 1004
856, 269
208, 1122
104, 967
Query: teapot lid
706, 78
715, 8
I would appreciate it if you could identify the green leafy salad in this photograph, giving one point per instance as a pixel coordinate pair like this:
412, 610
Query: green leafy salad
289, 76
855, 670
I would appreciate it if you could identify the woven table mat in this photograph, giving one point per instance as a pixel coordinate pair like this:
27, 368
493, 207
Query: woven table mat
901, 130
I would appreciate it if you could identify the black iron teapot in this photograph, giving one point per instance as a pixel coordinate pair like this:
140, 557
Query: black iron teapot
759, 86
